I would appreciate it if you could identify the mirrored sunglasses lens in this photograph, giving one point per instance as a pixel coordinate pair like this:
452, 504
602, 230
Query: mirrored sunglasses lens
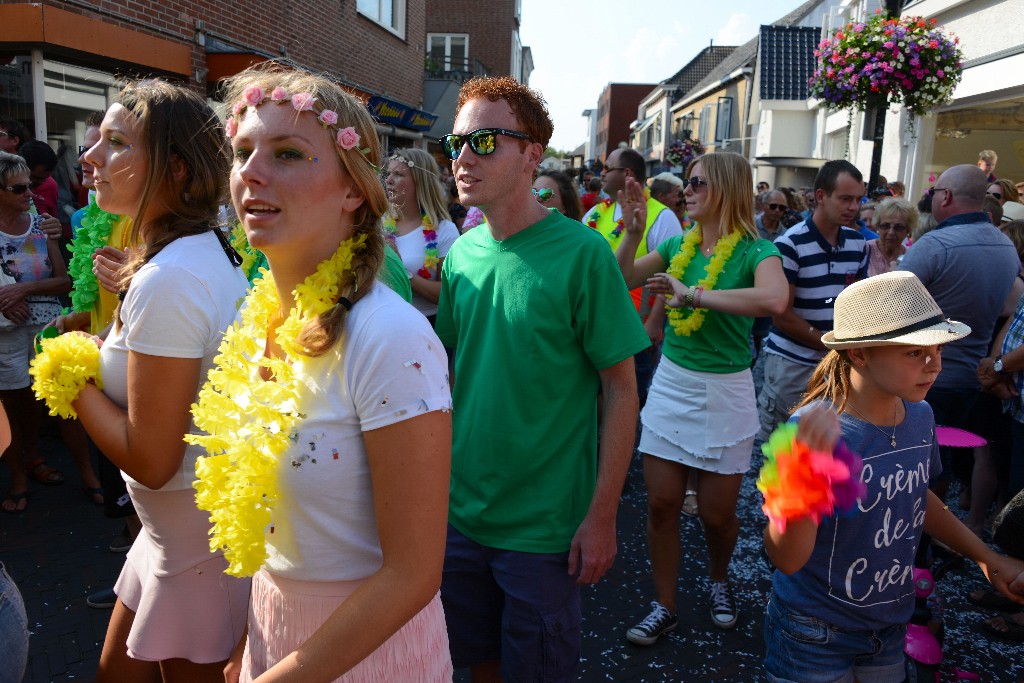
81, 149
482, 142
543, 195
450, 145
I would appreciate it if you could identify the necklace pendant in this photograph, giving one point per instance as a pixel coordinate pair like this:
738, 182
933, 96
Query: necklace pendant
892, 441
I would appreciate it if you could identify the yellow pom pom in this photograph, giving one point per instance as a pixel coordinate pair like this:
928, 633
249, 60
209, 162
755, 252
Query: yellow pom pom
65, 364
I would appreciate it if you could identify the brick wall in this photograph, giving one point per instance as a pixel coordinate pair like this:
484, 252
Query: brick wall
617, 108
489, 24
328, 35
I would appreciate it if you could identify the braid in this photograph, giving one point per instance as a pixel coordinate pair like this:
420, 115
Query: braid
321, 334
830, 381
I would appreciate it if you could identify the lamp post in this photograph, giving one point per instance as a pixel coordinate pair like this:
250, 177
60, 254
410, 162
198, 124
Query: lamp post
892, 11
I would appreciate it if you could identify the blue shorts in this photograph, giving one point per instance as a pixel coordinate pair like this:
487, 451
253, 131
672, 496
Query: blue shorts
802, 649
520, 608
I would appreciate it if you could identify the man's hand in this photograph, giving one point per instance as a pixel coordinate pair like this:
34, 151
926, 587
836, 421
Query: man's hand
633, 204
593, 550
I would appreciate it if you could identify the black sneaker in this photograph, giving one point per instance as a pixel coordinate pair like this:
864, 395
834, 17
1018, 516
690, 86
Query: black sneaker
102, 599
722, 606
657, 623
121, 543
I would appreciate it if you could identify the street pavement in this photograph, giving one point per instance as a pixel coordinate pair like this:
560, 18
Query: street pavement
57, 552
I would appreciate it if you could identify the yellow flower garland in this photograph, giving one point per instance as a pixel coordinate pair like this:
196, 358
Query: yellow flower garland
686, 324
60, 370
249, 422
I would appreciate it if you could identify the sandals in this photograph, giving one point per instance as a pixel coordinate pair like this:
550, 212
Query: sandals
13, 503
43, 473
989, 598
690, 508
1007, 627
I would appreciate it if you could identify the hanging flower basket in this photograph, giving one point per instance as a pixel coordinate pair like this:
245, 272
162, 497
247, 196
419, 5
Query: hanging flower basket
682, 152
910, 61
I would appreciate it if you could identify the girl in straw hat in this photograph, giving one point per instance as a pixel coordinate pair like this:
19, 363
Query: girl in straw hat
843, 590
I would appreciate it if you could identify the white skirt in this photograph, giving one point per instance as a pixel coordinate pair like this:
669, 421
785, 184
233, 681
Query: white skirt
703, 420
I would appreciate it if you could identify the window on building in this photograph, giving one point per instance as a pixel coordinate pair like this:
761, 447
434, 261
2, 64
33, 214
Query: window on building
448, 51
705, 130
388, 13
517, 57
723, 120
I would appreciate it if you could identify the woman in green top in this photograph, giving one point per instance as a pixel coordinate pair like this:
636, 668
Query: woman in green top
701, 412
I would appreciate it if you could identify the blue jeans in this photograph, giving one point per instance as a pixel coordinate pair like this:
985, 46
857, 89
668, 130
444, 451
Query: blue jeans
802, 649
520, 608
13, 631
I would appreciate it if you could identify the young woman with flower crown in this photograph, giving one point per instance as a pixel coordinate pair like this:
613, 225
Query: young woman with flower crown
701, 413
162, 159
328, 412
419, 223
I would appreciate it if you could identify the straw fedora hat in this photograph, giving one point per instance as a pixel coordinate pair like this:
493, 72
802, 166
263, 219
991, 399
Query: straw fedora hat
891, 308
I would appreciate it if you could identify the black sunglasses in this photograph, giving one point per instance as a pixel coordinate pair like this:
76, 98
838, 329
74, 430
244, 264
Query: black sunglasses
997, 195
81, 149
20, 188
481, 141
695, 183
777, 207
898, 227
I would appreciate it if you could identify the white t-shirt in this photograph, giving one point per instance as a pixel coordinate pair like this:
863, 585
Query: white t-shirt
665, 225
388, 367
413, 249
178, 306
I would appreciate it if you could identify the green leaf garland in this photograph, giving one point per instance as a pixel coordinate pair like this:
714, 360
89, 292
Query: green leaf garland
97, 225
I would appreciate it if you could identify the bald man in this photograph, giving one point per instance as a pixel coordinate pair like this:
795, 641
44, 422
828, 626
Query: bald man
969, 268
769, 224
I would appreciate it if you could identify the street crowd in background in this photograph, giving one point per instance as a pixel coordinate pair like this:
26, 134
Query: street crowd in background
412, 436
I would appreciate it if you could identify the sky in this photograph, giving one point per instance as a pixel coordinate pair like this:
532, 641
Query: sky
580, 46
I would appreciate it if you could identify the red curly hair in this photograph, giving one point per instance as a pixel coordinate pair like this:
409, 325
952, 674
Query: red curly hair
528, 105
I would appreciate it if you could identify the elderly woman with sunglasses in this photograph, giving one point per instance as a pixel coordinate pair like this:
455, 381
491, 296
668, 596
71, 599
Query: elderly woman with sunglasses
34, 273
419, 225
895, 219
555, 190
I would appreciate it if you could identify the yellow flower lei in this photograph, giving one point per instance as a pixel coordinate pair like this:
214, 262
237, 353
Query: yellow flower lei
249, 422
60, 370
682, 322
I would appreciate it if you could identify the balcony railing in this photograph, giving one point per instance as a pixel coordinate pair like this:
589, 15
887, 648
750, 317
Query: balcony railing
457, 70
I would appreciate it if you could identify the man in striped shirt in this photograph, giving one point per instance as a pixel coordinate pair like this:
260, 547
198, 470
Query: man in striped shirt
821, 257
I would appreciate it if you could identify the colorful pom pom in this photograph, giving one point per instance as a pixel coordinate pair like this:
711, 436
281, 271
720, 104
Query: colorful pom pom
65, 364
799, 482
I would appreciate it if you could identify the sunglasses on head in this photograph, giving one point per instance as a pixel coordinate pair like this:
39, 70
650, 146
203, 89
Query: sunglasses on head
481, 141
695, 183
542, 195
20, 188
777, 207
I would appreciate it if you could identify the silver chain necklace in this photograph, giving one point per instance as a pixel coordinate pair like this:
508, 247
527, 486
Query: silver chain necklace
895, 413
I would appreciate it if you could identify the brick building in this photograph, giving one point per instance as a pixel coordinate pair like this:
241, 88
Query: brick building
616, 110
467, 38
59, 60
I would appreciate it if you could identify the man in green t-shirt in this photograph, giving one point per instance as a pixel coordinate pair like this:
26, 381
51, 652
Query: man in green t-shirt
542, 320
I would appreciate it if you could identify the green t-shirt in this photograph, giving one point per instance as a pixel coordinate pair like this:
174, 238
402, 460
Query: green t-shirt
534, 317
392, 273
722, 344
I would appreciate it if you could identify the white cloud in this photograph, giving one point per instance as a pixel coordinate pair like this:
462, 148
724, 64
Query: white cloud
738, 29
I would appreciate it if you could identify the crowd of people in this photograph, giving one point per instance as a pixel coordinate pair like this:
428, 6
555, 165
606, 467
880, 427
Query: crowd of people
397, 490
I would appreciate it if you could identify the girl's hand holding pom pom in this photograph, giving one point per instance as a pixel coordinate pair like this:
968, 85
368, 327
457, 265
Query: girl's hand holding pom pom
60, 370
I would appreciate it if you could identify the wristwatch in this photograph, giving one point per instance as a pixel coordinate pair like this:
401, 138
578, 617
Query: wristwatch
998, 364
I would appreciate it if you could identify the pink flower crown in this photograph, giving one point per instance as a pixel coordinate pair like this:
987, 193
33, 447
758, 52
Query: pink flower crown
253, 96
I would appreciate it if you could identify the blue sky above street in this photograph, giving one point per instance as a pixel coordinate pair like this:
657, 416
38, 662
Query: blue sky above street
581, 46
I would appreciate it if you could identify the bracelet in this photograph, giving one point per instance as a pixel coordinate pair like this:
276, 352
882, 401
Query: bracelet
696, 298
688, 299
811, 330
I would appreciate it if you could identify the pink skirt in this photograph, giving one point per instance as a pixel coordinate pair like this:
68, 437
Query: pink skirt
284, 613
185, 605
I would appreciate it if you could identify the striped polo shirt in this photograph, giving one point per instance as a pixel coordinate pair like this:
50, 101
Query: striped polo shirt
819, 272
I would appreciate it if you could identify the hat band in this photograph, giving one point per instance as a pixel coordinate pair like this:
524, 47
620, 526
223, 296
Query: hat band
885, 336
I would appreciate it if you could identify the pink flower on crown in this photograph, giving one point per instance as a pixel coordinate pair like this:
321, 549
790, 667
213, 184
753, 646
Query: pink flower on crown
279, 94
303, 101
253, 95
348, 138
237, 108
328, 117
231, 126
